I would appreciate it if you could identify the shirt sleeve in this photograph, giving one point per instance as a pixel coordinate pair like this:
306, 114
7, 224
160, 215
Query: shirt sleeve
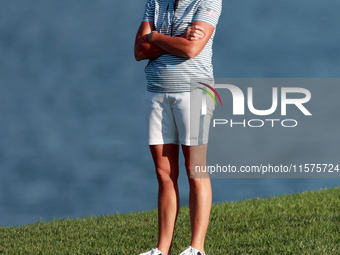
209, 11
149, 14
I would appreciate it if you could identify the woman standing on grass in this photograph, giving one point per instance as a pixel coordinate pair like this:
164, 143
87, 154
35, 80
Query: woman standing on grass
176, 36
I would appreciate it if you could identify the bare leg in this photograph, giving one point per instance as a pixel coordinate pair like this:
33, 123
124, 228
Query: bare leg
165, 157
200, 198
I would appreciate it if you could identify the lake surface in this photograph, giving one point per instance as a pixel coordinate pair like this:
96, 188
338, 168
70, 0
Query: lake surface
72, 133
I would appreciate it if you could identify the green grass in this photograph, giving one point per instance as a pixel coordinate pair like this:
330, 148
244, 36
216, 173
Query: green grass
304, 223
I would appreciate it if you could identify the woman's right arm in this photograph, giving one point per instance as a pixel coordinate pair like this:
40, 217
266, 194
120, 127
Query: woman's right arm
143, 48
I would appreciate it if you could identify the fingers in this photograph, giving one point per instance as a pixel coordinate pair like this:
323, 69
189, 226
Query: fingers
198, 27
195, 32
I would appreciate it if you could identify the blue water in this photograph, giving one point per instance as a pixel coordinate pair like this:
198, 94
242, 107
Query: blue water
72, 133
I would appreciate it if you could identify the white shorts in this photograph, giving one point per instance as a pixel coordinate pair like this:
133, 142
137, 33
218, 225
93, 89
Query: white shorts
176, 118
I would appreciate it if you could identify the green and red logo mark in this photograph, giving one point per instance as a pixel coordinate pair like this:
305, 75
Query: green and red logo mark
209, 93
204, 101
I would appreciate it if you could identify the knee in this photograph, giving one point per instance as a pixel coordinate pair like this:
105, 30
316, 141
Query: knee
199, 180
167, 176
196, 176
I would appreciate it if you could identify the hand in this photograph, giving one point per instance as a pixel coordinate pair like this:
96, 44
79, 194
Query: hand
149, 36
194, 33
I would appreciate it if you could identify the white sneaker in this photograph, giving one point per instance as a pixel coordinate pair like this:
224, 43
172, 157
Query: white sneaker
191, 251
152, 252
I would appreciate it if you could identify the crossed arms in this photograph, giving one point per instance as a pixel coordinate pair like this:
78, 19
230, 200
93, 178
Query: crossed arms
188, 45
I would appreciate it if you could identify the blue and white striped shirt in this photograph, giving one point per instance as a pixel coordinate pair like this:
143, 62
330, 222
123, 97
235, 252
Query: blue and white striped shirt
169, 73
